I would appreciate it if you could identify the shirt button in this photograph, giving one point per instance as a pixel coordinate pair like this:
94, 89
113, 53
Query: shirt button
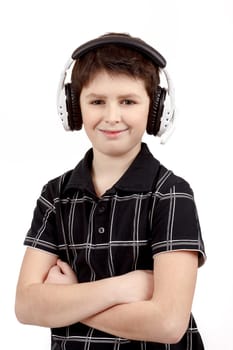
101, 209
101, 230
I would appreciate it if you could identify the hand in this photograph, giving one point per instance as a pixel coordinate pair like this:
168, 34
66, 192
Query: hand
137, 286
61, 273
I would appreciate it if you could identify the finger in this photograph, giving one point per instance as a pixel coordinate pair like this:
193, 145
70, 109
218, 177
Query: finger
65, 268
55, 269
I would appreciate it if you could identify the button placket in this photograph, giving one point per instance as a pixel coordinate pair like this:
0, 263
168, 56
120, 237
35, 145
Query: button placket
101, 218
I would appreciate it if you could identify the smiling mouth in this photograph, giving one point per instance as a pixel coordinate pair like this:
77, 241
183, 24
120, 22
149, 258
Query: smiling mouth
112, 132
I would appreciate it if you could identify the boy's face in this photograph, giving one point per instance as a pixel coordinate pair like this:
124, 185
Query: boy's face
115, 112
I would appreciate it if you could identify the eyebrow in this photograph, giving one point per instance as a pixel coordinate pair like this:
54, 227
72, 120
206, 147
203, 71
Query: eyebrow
126, 96
92, 95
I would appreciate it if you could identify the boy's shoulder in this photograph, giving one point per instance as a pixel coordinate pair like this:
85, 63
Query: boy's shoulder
165, 179
55, 186
168, 182
73, 178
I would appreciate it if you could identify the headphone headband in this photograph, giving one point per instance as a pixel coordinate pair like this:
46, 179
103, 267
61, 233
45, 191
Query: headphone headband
133, 43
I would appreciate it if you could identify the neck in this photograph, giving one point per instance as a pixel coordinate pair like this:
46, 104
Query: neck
108, 169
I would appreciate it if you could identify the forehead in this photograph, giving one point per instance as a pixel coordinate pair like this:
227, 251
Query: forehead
103, 80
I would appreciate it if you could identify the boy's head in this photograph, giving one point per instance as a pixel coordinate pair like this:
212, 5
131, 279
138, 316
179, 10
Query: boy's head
115, 59
116, 54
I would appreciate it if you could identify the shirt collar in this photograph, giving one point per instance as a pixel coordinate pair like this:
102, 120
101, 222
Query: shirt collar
139, 177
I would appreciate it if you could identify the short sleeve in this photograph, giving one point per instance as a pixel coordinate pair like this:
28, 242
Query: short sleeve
42, 233
175, 223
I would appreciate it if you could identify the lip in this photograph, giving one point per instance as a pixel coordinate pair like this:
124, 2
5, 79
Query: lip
113, 133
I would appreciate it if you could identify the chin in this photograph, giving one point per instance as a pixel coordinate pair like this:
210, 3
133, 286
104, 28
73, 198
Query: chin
120, 150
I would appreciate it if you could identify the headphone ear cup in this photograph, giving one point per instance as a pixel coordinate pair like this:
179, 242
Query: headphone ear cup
156, 111
73, 108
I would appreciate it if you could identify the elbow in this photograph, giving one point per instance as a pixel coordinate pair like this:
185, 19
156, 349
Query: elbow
170, 334
174, 334
25, 315
31, 310
24, 308
20, 312
174, 329
20, 317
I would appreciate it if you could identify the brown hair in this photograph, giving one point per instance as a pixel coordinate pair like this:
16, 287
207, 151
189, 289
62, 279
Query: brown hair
115, 59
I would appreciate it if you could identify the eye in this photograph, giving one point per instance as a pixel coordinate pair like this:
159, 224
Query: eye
97, 102
128, 102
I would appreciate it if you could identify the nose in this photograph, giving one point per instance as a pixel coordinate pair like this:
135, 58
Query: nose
112, 113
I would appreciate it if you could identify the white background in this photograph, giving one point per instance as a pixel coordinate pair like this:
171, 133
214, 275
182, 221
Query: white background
196, 37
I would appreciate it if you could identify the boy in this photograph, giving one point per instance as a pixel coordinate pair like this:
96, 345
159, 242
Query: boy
114, 244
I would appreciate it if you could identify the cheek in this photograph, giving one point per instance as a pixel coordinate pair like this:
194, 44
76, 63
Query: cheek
90, 121
83, 109
142, 117
86, 120
87, 115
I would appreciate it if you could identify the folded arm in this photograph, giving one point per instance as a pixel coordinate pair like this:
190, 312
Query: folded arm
164, 318
123, 306
41, 302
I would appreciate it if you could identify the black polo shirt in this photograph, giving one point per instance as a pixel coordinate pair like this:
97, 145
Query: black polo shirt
148, 211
